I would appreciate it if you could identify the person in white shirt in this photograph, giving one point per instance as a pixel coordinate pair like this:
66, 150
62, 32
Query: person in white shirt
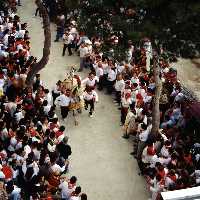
143, 136
120, 67
119, 87
165, 150
83, 54
125, 104
111, 80
57, 169
64, 101
67, 187
18, 115
46, 107
68, 40
90, 97
99, 74
91, 81
82, 39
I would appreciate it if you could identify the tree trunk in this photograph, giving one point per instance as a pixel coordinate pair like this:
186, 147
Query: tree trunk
47, 45
156, 99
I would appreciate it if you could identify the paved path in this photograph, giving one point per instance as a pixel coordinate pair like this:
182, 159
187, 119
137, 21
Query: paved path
100, 157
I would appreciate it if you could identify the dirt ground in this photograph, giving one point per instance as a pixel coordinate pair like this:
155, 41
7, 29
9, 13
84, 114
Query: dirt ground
189, 74
100, 157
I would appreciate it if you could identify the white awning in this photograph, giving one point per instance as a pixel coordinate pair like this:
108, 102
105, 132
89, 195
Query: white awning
186, 194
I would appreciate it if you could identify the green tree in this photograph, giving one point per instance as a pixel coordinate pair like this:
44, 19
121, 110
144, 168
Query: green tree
174, 23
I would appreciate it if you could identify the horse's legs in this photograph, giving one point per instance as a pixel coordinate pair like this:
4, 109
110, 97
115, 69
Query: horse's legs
75, 117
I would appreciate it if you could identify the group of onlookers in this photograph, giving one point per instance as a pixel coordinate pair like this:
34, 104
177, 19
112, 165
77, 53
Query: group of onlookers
34, 150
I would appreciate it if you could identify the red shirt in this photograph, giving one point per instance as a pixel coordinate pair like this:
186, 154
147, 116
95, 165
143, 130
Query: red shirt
7, 172
58, 133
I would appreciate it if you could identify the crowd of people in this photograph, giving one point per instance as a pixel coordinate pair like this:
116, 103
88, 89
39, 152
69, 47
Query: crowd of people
170, 159
34, 149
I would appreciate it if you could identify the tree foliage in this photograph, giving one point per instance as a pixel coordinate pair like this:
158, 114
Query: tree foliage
174, 23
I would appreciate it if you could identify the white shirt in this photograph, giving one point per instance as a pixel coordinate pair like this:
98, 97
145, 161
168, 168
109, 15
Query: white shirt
99, 72
126, 102
164, 152
74, 198
5, 40
27, 149
120, 68
48, 97
2, 81
92, 96
147, 99
51, 147
90, 49
156, 188
18, 116
63, 100
89, 82
20, 34
111, 75
105, 68
144, 135
68, 39
83, 52
65, 190
47, 109
57, 168
119, 85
